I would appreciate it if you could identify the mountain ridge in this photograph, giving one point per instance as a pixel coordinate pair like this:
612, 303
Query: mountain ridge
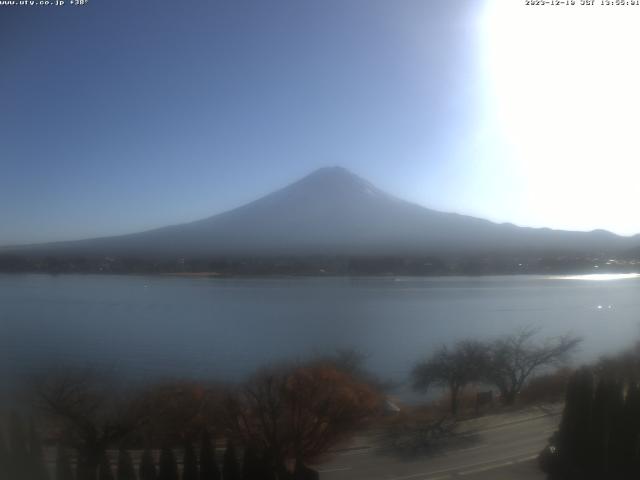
332, 211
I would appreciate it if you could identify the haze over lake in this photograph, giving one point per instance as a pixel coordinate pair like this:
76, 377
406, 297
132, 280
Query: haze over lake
162, 326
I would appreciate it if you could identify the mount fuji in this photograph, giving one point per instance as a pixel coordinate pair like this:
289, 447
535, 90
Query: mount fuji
334, 212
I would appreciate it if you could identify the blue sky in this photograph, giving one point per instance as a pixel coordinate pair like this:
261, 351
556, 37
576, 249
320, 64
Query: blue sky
121, 116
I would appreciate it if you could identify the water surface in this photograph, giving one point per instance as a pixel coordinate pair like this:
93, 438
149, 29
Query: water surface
158, 326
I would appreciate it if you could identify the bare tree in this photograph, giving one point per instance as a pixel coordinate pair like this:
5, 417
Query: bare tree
515, 357
87, 413
180, 410
452, 368
298, 413
353, 362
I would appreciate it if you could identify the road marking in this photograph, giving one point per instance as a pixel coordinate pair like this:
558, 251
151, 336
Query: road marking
505, 461
429, 475
539, 436
339, 469
497, 465
362, 451
449, 472
515, 423
484, 469
468, 449
526, 459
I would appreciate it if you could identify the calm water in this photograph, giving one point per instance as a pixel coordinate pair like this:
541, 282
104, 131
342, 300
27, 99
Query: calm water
168, 326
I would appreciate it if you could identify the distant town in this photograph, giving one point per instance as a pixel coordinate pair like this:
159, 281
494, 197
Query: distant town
325, 265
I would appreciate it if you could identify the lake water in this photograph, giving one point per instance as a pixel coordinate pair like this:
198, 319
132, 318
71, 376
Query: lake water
159, 326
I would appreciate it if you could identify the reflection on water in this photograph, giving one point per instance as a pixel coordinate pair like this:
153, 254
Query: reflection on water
157, 326
598, 277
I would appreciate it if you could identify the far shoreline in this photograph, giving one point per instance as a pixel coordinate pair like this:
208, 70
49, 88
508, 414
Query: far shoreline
581, 275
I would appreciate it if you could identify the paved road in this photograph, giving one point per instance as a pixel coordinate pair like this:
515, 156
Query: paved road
504, 451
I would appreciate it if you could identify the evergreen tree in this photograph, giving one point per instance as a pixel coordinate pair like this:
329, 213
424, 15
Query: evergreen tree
125, 466
599, 432
252, 468
625, 434
573, 435
302, 472
147, 466
19, 453
87, 468
37, 467
268, 470
168, 467
104, 468
190, 463
63, 465
599, 435
632, 420
4, 457
617, 441
208, 465
230, 468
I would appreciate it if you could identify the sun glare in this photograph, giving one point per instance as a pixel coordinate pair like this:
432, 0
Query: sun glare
563, 89
599, 277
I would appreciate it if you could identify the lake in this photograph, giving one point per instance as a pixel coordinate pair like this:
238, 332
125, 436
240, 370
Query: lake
162, 326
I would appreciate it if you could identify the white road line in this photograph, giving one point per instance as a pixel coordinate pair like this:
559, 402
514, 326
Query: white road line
505, 461
526, 459
484, 469
356, 452
423, 474
497, 465
339, 469
451, 453
539, 436
515, 424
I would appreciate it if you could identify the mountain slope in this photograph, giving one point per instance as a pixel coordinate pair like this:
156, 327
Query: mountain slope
333, 211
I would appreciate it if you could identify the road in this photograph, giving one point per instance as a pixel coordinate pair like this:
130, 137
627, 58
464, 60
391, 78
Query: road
503, 450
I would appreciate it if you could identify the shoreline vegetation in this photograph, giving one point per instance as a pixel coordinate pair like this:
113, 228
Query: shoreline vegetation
90, 421
99, 427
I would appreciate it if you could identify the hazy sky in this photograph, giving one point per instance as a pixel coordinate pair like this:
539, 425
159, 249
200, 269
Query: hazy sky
125, 115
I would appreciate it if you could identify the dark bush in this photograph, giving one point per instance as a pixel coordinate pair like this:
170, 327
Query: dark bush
230, 468
548, 388
147, 466
168, 467
208, 465
63, 465
104, 469
190, 463
125, 466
